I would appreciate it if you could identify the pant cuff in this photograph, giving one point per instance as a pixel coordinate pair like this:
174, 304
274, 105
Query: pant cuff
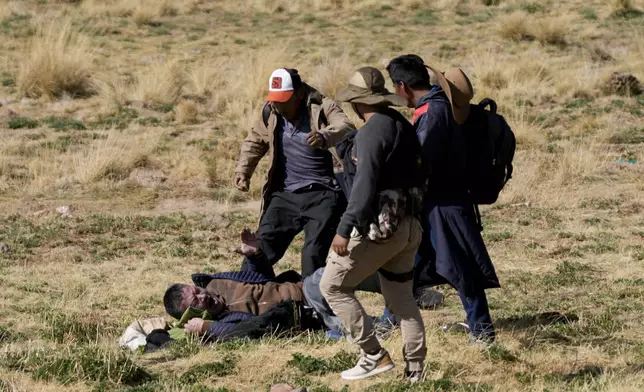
371, 345
415, 366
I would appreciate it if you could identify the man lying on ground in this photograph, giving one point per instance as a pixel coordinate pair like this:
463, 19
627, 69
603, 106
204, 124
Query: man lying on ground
247, 304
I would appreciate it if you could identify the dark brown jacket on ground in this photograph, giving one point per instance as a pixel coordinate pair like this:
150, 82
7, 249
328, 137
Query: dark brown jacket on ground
255, 298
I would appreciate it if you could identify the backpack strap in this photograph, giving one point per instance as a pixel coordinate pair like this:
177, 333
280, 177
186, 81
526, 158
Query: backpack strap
479, 221
266, 113
485, 102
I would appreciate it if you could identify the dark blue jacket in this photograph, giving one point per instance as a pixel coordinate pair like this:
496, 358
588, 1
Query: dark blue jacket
442, 144
229, 323
452, 251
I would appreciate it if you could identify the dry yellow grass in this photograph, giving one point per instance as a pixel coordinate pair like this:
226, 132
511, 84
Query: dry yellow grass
160, 84
186, 112
566, 234
58, 62
114, 157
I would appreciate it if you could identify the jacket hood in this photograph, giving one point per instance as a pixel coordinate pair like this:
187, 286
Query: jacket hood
435, 94
313, 95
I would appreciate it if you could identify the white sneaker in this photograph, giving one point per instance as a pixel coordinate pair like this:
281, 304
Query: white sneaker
369, 365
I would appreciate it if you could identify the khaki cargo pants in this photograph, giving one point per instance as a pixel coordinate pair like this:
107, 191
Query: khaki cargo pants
343, 274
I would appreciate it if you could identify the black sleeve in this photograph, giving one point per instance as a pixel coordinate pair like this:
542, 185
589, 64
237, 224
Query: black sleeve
371, 154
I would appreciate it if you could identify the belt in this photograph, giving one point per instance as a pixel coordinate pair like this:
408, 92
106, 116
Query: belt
313, 187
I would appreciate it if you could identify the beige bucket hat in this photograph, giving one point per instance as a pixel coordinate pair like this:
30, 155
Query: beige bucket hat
459, 91
367, 86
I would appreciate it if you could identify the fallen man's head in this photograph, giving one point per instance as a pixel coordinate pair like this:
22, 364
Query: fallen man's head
180, 297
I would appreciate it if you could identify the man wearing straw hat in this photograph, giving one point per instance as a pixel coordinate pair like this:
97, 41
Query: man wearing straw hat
452, 251
387, 169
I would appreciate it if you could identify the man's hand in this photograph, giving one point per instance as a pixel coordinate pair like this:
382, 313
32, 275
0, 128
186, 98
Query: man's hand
241, 182
315, 139
197, 326
340, 245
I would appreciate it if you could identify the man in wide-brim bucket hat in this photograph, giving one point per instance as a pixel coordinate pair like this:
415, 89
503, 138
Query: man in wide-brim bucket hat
377, 233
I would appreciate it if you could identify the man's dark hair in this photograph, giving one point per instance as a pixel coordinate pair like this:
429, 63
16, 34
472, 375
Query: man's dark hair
172, 300
409, 69
295, 76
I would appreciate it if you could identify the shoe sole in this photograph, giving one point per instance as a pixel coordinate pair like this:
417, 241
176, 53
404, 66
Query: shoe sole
372, 373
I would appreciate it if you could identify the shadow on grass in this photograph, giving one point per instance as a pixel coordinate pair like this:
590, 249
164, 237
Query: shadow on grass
530, 321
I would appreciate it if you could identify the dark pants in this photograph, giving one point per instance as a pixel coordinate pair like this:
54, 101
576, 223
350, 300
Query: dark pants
474, 300
478, 315
314, 210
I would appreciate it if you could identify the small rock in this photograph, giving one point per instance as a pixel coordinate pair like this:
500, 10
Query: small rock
65, 211
147, 178
4, 248
216, 221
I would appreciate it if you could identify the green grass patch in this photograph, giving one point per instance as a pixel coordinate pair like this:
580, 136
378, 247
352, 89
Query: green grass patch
120, 120
90, 364
578, 103
62, 327
22, 122
569, 273
64, 123
442, 385
317, 366
532, 8
588, 13
8, 81
601, 203
7, 335
199, 373
497, 353
497, 236
425, 18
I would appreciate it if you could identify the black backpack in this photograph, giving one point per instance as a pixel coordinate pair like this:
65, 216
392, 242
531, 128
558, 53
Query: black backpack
490, 146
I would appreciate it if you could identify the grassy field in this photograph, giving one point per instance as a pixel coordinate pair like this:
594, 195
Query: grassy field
131, 112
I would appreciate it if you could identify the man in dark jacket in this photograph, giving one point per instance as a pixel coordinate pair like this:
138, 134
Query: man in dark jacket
245, 304
452, 251
296, 129
387, 172
235, 300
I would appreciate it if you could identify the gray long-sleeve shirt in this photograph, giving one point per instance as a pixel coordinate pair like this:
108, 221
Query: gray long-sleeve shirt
302, 164
386, 148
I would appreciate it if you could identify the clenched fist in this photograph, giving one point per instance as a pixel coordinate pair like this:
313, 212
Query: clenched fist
241, 182
196, 326
315, 139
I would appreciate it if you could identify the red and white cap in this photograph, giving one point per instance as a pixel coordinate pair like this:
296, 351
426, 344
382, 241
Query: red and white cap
280, 86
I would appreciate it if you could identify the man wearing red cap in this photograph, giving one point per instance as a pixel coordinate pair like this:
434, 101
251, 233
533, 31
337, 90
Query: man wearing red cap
296, 128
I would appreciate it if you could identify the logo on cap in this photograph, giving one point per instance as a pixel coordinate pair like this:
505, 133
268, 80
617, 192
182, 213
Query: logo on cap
276, 83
